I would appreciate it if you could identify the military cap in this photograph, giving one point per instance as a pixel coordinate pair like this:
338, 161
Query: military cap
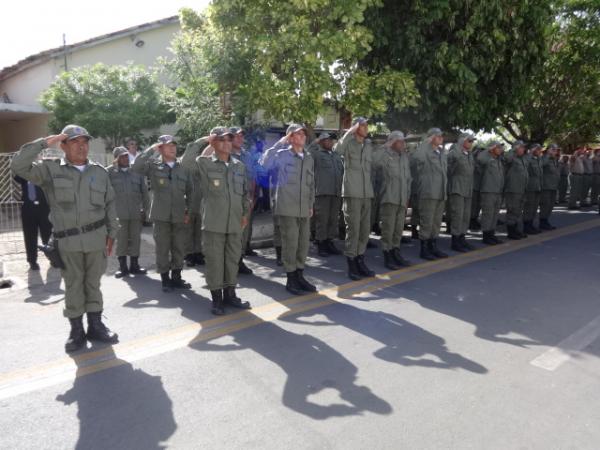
396, 136
324, 135
434, 132
360, 120
553, 146
468, 137
518, 143
294, 127
236, 130
534, 146
119, 151
221, 131
75, 131
166, 139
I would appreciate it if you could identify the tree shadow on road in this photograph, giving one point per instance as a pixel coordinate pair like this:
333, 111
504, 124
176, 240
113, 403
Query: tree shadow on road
120, 408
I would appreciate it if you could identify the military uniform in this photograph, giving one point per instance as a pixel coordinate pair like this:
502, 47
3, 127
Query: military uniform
393, 195
194, 253
329, 171
563, 183
132, 201
491, 187
516, 178
172, 188
414, 196
588, 166
596, 178
476, 199
550, 180
532, 193
461, 168
577, 171
82, 212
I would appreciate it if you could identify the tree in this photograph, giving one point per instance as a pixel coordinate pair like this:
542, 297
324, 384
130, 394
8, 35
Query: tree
111, 102
289, 58
563, 99
471, 58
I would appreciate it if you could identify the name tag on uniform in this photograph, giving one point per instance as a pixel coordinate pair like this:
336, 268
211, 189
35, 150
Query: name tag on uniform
216, 182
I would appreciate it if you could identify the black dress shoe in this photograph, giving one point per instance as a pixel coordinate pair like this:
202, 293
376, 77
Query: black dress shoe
34, 266
250, 252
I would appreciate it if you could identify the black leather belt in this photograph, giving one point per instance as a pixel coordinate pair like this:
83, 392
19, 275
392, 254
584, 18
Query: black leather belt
75, 231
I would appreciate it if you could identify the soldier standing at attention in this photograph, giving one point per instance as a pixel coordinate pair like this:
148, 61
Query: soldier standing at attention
357, 193
172, 188
132, 202
329, 171
414, 196
431, 165
82, 211
577, 171
563, 184
460, 191
588, 175
393, 164
550, 180
294, 200
515, 180
533, 189
194, 255
491, 188
474, 223
225, 208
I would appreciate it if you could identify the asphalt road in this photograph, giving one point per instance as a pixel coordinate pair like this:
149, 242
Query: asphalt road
495, 349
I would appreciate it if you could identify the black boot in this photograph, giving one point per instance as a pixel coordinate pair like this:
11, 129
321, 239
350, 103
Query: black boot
76, 338
97, 331
243, 269
177, 282
322, 248
433, 248
190, 260
529, 228
400, 260
426, 252
496, 238
457, 244
230, 298
388, 260
304, 284
292, 284
278, 255
249, 251
353, 272
405, 240
199, 259
371, 244
545, 225
166, 282
123, 269
134, 266
488, 239
465, 244
331, 248
474, 225
513, 232
218, 307
414, 233
362, 267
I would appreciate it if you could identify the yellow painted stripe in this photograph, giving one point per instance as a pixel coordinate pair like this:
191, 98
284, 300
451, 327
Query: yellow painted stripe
31, 378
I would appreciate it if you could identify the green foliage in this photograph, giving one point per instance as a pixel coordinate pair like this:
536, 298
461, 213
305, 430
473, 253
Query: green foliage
471, 58
111, 102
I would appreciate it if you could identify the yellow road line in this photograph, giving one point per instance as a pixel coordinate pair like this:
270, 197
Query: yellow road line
31, 378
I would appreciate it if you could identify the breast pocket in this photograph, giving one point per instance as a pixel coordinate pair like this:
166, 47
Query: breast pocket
97, 194
238, 183
216, 182
64, 191
291, 173
162, 180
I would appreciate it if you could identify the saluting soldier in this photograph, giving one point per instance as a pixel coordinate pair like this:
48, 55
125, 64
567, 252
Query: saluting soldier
577, 172
329, 172
414, 196
533, 189
357, 194
588, 175
563, 183
491, 187
474, 223
432, 167
516, 178
194, 255
82, 212
132, 202
550, 180
393, 164
225, 207
172, 188
294, 201
461, 169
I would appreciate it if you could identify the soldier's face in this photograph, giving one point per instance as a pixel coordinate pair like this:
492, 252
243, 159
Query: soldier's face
327, 144
436, 141
398, 145
168, 151
536, 151
76, 150
222, 144
520, 150
468, 144
237, 141
123, 161
363, 130
298, 139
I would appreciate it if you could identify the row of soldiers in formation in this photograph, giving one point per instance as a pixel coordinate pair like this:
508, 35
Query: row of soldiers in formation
202, 203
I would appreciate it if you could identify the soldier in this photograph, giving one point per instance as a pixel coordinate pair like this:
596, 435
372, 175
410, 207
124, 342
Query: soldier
82, 211
577, 171
414, 196
431, 165
329, 170
533, 189
357, 194
563, 183
225, 207
596, 177
460, 190
294, 200
393, 164
550, 180
588, 165
491, 188
172, 188
474, 223
516, 178
194, 255
132, 202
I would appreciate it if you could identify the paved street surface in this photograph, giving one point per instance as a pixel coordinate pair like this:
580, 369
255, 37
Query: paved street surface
495, 349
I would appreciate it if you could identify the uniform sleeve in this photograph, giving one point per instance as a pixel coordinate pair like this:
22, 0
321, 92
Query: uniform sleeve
341, 147
311, 195
452, 160
267, 160
246, 198
112, 225
141, 164
23, 163
145, 197
192, 151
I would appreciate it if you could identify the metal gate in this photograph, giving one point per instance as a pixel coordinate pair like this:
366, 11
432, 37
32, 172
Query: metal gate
11, 234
